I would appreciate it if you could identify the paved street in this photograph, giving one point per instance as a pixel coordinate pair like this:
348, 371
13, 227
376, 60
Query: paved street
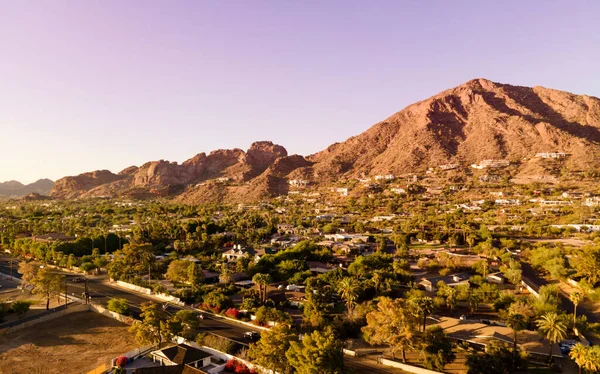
101, 292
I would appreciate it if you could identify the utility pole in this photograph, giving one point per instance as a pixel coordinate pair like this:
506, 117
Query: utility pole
11, 264
86, 290
66, 293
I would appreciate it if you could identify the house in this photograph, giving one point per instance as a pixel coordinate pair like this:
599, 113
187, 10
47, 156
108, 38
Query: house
319, 267
484, 164
52, 237
497, 278
551, 155
210, 277
238, 252
480, 334
181, 354
285, 228
430, 284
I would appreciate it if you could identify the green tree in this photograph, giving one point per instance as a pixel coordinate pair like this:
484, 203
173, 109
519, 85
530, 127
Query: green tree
151, 329
587, 358
263, 281
118, 305
391, 324
423, 306
348, 290
576, 298
270, 351
47, 282
195, 276
552, 328
436, 348
497, 359
319, 352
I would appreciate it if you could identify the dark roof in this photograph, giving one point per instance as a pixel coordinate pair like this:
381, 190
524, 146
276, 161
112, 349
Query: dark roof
173, 369
184, 354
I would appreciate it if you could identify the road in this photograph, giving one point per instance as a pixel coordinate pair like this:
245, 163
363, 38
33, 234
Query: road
101, 293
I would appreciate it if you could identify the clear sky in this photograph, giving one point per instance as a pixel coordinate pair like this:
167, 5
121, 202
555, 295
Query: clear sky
104, 84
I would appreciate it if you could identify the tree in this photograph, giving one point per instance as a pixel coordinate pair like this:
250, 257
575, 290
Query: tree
422, 306
576, 298
437, 348
178, 271
517, 323
552, 328
263, 281
195, 276
497, 359
391, 324
318, 352
28, 271
270, 351
348, 290
47, 282
317, 308
118, 305
587, 358
186, 323
151, 329
20, 307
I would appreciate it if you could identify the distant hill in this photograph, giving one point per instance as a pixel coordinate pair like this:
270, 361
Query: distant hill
16, 189
476, 121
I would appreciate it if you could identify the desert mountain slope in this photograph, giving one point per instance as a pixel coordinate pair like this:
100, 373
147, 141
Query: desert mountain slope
476, 121
472, 122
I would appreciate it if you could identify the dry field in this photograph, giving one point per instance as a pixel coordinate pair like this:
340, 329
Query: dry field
76, 344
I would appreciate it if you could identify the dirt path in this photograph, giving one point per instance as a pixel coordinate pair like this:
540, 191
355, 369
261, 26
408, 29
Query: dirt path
75, 344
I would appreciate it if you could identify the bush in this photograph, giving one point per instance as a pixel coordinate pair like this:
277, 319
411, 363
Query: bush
120, 306
232, 313
20, 307
238, 367
121, 361
216, 342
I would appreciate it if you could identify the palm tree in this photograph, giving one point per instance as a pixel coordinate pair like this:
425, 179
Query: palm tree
348, 290
579, 353
576, 298
553, 328
263, 280
423, 306
517, 323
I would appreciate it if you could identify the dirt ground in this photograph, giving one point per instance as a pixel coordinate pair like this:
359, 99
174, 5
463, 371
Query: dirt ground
76, 344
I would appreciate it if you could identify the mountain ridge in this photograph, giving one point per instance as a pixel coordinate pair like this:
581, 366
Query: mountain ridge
15, 188
475, 121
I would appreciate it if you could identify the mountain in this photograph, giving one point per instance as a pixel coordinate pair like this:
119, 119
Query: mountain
472, 122
14, 188
164, 178
476, 121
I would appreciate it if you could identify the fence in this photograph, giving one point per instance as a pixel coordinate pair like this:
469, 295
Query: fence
406, 367
50, 315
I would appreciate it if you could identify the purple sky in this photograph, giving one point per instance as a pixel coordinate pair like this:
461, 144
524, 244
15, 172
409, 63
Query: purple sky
104, 84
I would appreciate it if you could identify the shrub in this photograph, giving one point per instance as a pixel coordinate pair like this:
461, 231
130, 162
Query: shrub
20, 307
121, 361
232, 313
120, 306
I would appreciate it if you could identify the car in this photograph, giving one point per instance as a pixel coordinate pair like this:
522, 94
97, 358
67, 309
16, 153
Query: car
252, 335
76, 280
